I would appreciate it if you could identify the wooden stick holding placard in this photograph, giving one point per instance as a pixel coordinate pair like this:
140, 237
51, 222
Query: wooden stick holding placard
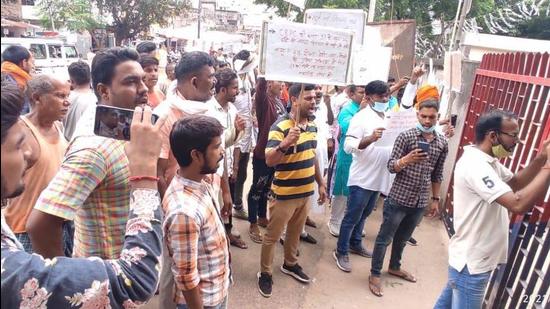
297, 115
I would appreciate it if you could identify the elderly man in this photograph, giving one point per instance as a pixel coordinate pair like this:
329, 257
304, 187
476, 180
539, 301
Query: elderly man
49, 101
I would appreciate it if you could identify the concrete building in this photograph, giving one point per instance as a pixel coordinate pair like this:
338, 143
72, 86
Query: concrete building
19, 18
212, 18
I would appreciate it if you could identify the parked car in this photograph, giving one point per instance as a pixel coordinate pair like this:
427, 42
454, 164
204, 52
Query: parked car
50, 56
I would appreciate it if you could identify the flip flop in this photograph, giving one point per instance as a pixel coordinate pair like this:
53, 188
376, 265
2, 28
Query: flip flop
239, 243
377, 290
404, 275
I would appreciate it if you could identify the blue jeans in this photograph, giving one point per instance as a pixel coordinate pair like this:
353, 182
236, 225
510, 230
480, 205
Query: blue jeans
463, 290
398, 225
68, 239
361, 202
222, 305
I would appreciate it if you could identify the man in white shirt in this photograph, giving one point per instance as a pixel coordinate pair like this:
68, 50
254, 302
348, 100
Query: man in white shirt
324, 118
339, 99
368, 174
244, 63
484, 192
227, 88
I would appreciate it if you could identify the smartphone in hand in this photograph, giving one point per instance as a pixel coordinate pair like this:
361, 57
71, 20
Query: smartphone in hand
424, 146
453, 120
115, 122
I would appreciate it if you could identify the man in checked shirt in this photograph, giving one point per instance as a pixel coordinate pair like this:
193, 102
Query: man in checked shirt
417, 172
193, 229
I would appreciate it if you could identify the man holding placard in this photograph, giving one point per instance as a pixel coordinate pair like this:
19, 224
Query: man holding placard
268, 107
291, 151
368, 175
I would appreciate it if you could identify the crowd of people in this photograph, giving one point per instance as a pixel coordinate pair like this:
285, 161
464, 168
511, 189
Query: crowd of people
145, 207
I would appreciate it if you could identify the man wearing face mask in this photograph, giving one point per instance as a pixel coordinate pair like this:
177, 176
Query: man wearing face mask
368, 175
484, 193
419, 172
92, 186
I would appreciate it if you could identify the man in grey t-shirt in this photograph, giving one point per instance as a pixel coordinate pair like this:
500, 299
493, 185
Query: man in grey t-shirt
81, 96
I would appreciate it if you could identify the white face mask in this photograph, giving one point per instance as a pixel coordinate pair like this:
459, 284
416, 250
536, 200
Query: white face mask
380, 106
425, 130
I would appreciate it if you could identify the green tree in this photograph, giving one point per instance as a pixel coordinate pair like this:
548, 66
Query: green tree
71, 14
424, 12
132, 17
283, 7
536, 28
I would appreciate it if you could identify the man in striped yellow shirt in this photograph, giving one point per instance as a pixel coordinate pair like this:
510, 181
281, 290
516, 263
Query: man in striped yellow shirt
291, 151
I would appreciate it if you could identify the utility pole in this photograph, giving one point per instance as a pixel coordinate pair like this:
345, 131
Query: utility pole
464, 7
372, 8
199, 20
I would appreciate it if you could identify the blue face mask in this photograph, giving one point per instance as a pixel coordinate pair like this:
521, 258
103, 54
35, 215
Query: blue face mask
380, 106
424, 130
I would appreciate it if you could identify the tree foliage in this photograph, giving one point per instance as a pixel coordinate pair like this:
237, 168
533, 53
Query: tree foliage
71, 14
283, 6
536, 28
132, 17
435, 18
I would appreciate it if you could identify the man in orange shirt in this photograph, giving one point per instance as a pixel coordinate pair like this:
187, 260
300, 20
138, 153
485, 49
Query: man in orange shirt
150, 66
49, 101
17, 64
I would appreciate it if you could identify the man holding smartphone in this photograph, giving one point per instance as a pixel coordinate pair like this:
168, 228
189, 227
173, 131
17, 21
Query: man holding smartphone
417, 159
92, 186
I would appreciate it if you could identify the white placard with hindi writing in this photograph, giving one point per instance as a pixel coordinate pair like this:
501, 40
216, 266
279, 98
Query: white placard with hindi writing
353, 20
395, 123
370, 63
301, 53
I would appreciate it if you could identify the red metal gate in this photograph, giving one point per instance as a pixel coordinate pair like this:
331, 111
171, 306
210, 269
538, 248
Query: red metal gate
520, 83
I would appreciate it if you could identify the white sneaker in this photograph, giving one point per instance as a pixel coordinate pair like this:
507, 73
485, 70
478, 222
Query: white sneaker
332, 230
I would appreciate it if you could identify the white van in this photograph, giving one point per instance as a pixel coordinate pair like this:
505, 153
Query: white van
50, 56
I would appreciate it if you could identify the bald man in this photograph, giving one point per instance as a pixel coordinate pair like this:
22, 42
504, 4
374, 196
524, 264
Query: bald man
49, 105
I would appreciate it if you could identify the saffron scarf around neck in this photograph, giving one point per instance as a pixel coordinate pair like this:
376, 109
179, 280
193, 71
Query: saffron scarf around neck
20, 75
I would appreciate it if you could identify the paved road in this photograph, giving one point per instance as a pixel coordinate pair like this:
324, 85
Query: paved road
332, 288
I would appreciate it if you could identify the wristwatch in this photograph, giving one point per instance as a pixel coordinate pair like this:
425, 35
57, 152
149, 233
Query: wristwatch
436, 198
